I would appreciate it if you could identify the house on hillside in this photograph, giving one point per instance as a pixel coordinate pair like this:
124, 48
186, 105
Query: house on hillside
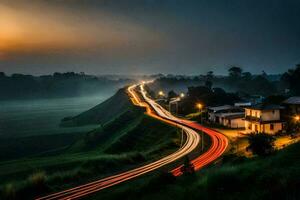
263, 118
232, 120
227, 115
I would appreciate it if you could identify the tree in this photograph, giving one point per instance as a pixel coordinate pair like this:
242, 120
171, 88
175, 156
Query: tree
247, 76
274, 99
209, 78
172, 94
208, 84
261, 144
210, 75
292, 79
235, 72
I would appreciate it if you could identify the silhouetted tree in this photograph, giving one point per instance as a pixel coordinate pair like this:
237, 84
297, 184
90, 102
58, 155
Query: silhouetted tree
209, 79
247, 76
235, 72
172, 94
261, 144
274, 99
292, 79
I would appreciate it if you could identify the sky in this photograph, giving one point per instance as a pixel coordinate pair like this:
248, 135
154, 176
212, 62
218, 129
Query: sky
148, 36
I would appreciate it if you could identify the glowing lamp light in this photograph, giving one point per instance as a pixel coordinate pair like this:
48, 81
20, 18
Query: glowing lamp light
182, 95
297, 118
199, 105
161, 93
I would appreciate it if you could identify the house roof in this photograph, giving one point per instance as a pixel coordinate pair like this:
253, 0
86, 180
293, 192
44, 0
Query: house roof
232, 115
292, 100
218, 108
266, 107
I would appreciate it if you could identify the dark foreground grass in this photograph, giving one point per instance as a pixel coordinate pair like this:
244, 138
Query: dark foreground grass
273, 177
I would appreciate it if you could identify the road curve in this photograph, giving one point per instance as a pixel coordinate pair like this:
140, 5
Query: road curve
219, 142
192, 141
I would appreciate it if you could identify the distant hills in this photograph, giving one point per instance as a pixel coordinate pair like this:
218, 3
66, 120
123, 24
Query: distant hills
70, 84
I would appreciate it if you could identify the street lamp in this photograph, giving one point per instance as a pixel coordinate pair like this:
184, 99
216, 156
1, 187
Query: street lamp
161, 93
199, 106
182, 95
297, 118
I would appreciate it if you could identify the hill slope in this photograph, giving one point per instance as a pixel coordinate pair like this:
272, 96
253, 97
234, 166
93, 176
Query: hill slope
102, 113
272, 177
127, 138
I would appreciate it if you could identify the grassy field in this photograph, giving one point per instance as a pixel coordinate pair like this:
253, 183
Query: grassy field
31, 128
42, 117
125, 139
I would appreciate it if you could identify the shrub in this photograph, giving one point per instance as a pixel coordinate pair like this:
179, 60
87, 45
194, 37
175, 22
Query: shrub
37, 178
9, 191
261, 144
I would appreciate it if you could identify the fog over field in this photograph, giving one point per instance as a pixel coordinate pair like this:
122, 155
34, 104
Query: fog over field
22, 118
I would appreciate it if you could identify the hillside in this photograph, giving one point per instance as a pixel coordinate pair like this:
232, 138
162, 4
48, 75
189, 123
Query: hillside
126, 139
272, 177
102, 113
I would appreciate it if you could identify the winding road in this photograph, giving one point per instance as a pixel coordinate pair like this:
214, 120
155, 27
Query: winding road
219, 144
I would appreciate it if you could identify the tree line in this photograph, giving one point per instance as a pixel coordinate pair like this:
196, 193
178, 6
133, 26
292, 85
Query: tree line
69, 84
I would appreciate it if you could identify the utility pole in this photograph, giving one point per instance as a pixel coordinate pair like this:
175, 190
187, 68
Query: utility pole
200, 106
202, 135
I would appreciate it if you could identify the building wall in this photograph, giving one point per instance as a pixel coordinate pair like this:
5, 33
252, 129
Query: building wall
264, 115
268, 115
237, 123
266, 128
211, 117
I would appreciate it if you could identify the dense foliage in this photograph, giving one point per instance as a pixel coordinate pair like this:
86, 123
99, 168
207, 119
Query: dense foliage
261, 144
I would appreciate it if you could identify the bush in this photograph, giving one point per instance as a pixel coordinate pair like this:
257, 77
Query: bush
261, 144
38, 179
9, 191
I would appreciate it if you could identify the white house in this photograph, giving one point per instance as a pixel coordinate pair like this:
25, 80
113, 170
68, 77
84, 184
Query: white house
263, 118
227, 115
232, 120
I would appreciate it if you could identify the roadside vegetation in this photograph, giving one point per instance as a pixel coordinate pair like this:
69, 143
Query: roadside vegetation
274, 176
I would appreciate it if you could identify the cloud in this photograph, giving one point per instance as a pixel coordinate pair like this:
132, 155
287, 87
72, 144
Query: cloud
37, 27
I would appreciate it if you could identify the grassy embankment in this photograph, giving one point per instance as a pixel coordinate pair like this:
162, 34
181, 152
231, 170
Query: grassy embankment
126, 138
272, 177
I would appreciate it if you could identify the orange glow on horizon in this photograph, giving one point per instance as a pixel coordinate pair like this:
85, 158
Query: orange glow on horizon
38, 28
